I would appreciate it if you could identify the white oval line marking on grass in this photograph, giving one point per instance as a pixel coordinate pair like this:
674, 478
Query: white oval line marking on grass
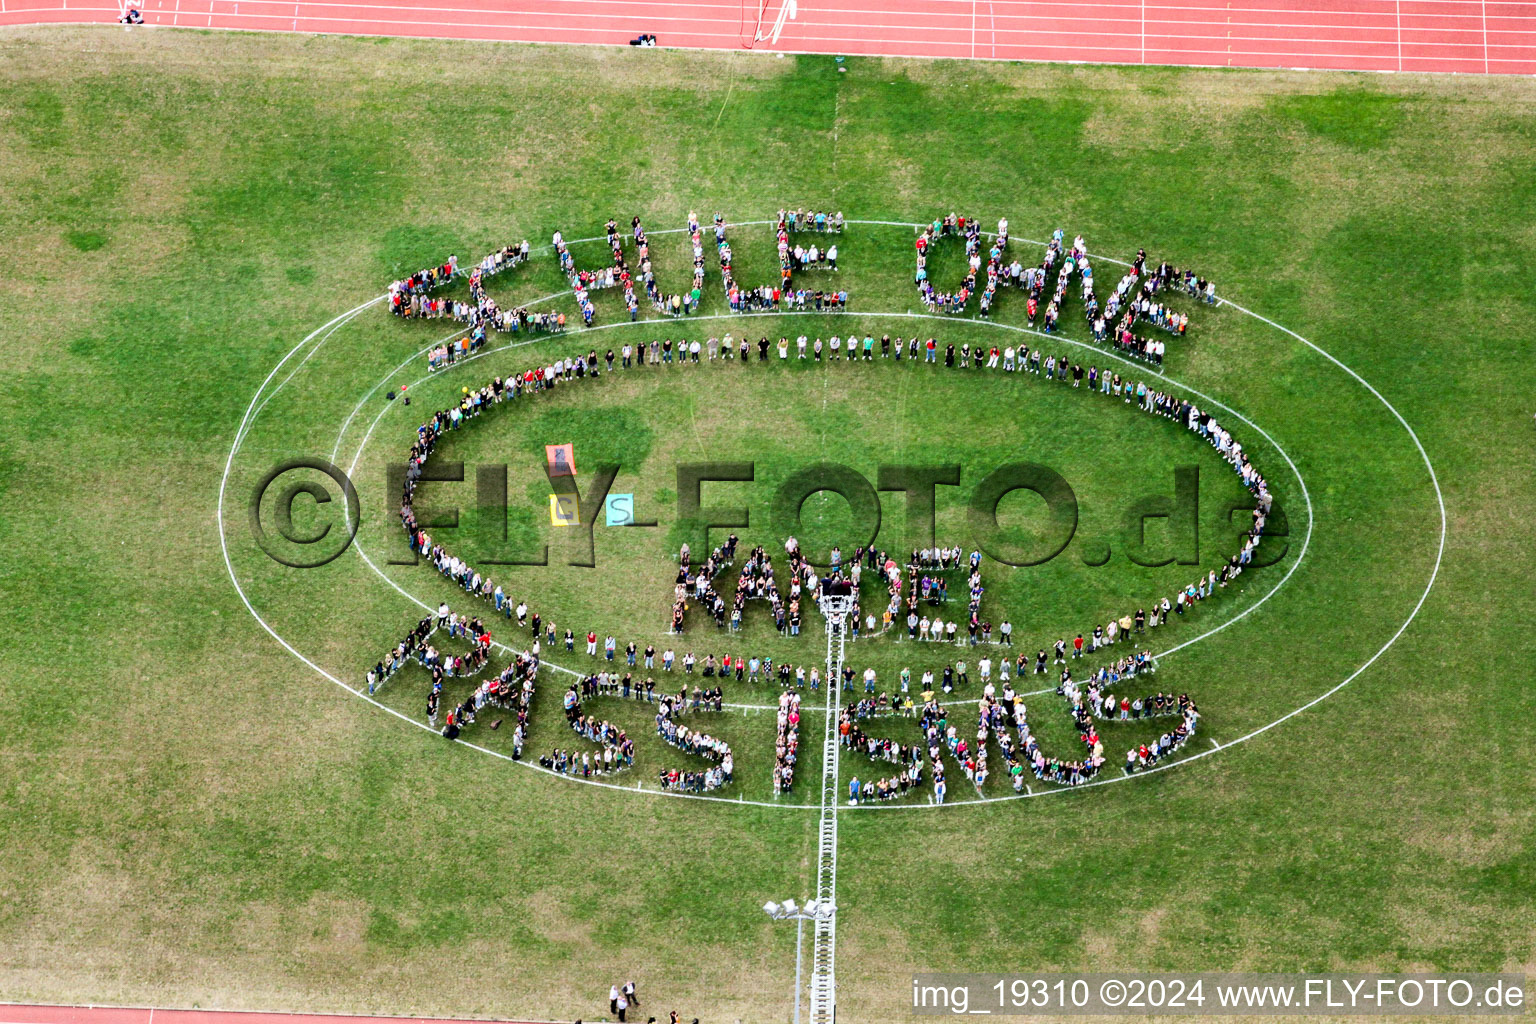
357, 456
346, 319
1306, 539
249, 417
417, 355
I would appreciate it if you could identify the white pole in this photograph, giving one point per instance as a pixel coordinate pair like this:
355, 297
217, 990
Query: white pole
799, 939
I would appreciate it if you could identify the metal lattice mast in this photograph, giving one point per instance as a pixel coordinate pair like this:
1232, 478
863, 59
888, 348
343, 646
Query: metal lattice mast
824, 951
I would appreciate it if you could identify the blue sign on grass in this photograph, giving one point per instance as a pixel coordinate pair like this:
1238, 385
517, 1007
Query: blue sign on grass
619, 509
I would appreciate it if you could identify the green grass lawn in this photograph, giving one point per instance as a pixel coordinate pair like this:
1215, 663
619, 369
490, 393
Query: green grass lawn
191, 815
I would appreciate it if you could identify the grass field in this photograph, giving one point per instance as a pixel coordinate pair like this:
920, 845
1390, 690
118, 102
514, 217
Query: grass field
191, 815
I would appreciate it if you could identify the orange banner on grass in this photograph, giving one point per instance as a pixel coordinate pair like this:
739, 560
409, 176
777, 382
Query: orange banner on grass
561, 459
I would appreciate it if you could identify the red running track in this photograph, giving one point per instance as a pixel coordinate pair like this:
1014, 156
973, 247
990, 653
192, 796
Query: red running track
26, 1013
1468, 36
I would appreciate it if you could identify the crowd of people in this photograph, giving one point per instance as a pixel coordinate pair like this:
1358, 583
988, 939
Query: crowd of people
1002, 721
819, 221
929, 585
679, 735
616, 750
411, 298
786, 744
697, 584
927, 570
969, 230
694, 586
1136, 300
622, 999
1097, 701
510, 690
907, 759
744, 299
757, 580
416, 645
